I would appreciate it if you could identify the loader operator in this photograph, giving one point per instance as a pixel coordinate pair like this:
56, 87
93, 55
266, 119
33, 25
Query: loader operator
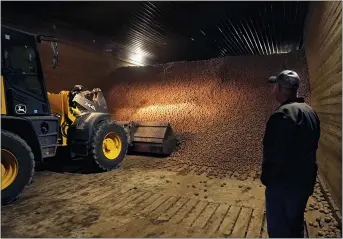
289, 165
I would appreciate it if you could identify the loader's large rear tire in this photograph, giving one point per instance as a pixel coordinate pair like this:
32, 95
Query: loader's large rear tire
17, 166
108, 145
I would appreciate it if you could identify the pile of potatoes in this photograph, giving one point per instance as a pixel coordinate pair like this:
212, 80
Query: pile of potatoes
322, 220
218, 108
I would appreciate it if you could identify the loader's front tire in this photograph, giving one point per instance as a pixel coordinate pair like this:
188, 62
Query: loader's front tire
108, 145
17, 166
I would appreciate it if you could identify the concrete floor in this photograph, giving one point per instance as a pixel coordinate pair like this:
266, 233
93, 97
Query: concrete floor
147, 197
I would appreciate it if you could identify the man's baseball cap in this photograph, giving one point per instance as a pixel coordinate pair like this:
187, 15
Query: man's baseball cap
287, 79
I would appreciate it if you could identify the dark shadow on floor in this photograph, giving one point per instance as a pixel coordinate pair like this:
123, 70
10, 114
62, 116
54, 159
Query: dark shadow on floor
63, 163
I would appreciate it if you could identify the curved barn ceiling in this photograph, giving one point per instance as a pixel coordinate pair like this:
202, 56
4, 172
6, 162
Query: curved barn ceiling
159, 32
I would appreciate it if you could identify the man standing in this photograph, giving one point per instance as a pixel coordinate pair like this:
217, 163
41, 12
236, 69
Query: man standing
289, 167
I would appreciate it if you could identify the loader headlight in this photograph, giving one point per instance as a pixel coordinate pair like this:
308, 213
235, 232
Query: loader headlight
44, 128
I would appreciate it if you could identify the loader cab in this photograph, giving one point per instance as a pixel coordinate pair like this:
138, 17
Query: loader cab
29, 132
24, 90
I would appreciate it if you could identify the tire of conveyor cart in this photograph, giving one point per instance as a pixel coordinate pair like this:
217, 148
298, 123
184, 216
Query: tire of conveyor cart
17, 166
108, 145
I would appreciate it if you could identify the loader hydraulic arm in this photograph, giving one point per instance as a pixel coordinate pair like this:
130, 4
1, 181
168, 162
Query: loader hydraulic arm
87, 101
69, 105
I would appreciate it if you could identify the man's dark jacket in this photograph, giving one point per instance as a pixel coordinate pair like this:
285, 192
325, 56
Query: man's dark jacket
289, 147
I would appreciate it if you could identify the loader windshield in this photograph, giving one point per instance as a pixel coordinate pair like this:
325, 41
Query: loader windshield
20, 64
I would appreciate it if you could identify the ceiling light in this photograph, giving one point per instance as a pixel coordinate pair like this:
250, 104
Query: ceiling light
138, 59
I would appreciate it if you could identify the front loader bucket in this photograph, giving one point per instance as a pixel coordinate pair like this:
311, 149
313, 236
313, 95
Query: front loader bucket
150, 137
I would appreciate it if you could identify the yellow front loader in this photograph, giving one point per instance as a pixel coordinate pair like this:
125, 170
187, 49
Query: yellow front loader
35, 123
88, 130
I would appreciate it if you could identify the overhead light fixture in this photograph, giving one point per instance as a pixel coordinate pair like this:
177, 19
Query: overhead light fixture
137, 57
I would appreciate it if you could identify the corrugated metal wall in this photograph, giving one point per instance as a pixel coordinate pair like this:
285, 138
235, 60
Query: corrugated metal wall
146, 33
323, 45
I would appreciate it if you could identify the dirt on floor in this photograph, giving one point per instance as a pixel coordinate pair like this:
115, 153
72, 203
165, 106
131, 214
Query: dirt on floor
144, 199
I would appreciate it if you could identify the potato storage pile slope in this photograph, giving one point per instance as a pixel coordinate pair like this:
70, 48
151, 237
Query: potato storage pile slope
218, 107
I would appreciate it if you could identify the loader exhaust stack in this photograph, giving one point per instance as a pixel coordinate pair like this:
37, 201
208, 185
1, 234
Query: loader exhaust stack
150, 137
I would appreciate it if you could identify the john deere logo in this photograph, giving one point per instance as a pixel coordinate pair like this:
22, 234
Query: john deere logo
20, 109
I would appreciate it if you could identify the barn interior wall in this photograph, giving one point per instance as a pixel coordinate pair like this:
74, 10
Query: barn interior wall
77, 66
323, 46
82, 59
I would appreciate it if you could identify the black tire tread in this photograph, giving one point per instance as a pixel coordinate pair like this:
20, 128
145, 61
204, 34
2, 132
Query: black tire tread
92, 145
32, 157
